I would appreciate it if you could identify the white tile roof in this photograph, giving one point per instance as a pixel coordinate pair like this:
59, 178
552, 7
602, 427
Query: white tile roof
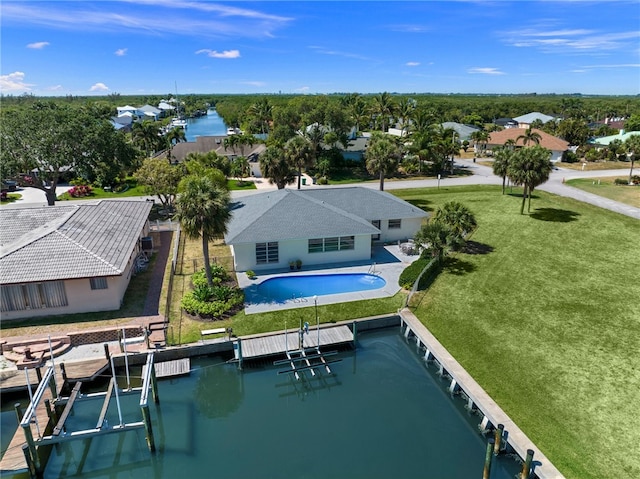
70, 241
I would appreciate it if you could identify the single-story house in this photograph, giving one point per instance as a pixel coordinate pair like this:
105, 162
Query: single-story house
506, 122
205, 144
317, 226
622, 136
67, 259
556, 145
464, 131
127, 109
525, 121
149, 112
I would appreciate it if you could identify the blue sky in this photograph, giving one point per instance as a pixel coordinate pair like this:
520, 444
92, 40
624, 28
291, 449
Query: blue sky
150, 46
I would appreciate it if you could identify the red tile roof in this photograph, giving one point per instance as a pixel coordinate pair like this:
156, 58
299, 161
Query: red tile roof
546, 140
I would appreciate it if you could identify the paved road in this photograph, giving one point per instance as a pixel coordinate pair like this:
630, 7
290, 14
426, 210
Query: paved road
481, 175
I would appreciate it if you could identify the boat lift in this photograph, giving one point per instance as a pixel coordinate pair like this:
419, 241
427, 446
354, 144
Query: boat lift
299, 359
60, 432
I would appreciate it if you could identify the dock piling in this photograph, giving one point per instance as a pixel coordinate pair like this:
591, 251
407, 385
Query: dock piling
526, 467
355, 333
19, 412
498, 433
486, 473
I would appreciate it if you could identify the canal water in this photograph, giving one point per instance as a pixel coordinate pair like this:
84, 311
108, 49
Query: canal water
209, 125
383, 413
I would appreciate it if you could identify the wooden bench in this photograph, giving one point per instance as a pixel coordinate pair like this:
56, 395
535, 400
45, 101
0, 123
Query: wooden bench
208, 332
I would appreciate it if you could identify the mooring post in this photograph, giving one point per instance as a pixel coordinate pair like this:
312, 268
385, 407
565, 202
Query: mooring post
52, 385
106, 351
154, 385
239, 353
486, 473
47, 405
63, 370
355, 333
31, 445
146, 417
526, 467
27, 457
498, 433
19, 412
39, 374
120, 343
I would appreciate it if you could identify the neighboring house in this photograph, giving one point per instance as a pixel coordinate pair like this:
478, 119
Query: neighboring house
318, 226
148, 112
205, 144
166, 108
622, 136
464, 131
525, 121
556, 145
68, 259
127, 109
123, 122
506, 122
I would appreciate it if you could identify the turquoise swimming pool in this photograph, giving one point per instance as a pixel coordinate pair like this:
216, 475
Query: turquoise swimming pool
283, 288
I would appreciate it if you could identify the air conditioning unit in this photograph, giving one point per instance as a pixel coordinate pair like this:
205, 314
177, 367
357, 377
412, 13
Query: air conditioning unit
146, 243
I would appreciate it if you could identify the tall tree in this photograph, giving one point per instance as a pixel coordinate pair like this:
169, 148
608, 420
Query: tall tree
480, 139
298, 152
147, 137
457, 217
632, 147
530, 136
45, 140
501, 164
160, 179
384, 108
438, 239
203, 210
382, 156
263, 112
275, 167
530, 167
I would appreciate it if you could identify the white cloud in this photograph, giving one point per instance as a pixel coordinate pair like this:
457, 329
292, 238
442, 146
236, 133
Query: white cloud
120, 52
156, 17
99, 87
621, 65
38, 45
54, 88
412, 64
254, 83
216, 54
324, 51
485, 71
303, 89
14, 82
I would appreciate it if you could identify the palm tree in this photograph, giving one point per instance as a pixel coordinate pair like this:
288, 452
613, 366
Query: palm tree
275, 166
456, 216
529, 167
203, 211
240, 167
174, 135
405, 110
632, 147
146, 136
384, 108
298, 153
263, 111
382, 156
438, 239
480, 137
529, 136
501, 163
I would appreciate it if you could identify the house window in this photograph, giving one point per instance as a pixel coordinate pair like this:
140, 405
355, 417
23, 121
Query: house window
334, 243
347, 242
98, 283
267, 252
376, 223
20, 297
395, 224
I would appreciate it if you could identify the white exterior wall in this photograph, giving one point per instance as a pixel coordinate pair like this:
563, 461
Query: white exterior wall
245, 254
408, 228
556, 156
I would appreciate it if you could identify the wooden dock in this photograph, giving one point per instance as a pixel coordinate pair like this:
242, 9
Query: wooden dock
280, 343
167, 369
80, 370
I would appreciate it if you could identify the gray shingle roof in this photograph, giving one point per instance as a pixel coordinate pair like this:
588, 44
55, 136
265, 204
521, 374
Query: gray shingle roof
67, 242
301, 214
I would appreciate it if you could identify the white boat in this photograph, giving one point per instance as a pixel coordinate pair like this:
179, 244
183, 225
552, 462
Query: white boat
179, 123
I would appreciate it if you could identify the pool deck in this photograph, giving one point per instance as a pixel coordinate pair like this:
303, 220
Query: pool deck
388, 262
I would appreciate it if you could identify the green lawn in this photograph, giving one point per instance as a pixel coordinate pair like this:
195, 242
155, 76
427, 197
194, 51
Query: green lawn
547, 320
606, 188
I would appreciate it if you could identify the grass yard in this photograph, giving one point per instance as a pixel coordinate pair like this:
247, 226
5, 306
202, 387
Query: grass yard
605, 187
595, 165
547, 320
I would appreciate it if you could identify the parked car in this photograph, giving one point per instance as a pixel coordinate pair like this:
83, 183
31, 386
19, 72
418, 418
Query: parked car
9, 185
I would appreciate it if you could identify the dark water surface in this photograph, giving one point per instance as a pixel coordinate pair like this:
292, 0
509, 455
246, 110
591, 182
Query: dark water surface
381, 414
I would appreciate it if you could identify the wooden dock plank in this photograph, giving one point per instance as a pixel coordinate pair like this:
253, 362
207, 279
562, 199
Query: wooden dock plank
179, 367
279, 343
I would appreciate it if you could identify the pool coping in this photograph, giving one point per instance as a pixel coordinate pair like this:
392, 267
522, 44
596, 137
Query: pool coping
380, 264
